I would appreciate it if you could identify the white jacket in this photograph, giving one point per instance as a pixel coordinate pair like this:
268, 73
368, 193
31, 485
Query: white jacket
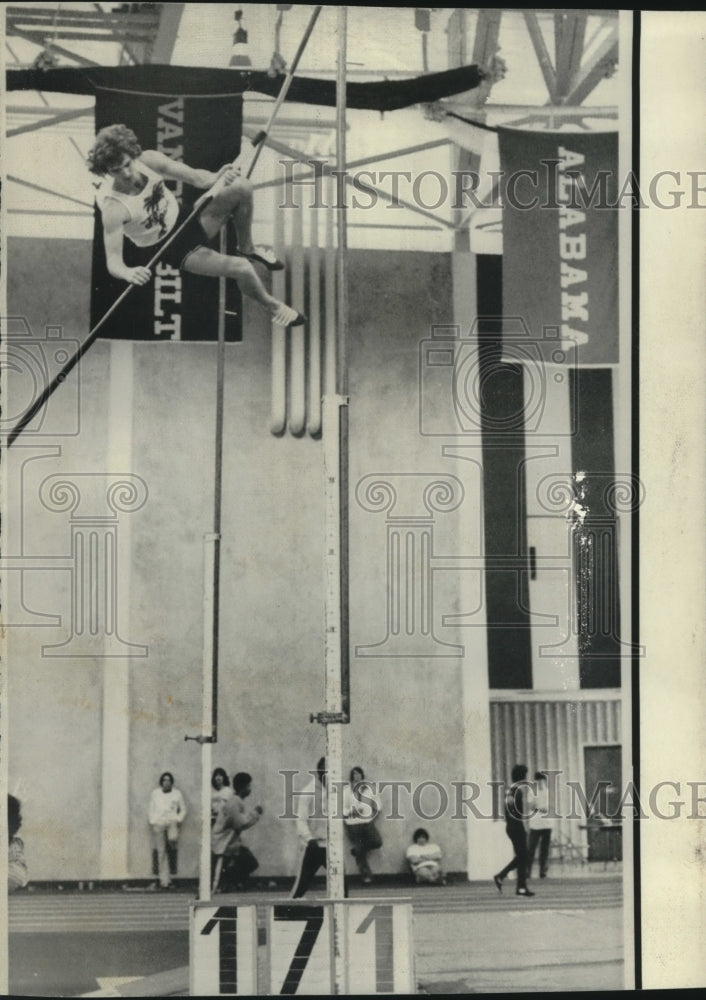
311, 810
166, 807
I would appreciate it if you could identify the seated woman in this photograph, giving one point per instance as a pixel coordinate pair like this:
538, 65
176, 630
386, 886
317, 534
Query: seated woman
424, 859
360, 807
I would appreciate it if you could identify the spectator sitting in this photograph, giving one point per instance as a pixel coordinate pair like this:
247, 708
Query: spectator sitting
17, 876
424, 859
360, 807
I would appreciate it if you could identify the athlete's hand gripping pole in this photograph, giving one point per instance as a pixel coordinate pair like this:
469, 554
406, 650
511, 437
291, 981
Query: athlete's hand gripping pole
44, 395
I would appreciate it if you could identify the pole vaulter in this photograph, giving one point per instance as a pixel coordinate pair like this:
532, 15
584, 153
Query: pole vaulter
199, 206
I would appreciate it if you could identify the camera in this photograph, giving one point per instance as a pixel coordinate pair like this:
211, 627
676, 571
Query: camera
30, 362
459, 373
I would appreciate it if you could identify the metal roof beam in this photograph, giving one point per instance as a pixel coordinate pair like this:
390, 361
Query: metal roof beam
62, 116
570, 34
597, 68
45, 190
165, 40
485, 43
48, 17
296, 154
365, 161
540, 48
55, 48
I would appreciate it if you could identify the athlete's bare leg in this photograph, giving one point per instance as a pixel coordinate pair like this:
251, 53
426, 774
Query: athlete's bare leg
209, 262
234, 201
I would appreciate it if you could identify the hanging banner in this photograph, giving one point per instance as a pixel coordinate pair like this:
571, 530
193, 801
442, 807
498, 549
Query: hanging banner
376, 95
203, 132
560, 246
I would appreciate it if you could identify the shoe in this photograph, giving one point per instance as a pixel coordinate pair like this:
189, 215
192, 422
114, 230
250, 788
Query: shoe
286, 316
524, 892
542, 874
367, 880
498, 883
266, 256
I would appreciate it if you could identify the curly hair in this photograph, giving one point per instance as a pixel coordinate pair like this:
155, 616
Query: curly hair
111, 145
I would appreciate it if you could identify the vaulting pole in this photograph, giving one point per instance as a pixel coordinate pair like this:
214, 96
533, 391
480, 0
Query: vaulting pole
260, 138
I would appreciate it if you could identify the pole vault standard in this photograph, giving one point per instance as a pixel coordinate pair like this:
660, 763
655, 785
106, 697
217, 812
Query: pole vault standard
212, 540
199, 206
335, 444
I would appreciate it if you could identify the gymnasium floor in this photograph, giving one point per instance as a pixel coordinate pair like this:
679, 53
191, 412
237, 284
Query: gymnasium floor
467, 939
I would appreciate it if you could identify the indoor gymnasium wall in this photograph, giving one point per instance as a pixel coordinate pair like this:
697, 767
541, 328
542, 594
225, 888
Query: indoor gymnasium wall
407, 707
52, 705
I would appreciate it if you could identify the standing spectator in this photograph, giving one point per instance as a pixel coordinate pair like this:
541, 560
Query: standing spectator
540, 826
360, 807
232, 861
222, 792
516, 828
166, 814
424, 858
17, 876
311, 829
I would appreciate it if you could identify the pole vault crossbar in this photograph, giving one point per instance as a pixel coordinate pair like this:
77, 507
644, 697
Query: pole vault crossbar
199, 206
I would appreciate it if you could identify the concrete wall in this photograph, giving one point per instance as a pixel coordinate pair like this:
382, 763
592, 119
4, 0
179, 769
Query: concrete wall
153, 418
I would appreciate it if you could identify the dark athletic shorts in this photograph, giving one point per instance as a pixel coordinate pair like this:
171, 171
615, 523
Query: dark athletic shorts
191, 237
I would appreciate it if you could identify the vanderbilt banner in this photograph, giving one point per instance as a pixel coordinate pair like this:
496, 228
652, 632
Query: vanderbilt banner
202, 132
560, 244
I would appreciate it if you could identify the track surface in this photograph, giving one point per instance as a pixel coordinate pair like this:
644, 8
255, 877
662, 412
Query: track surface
467, 937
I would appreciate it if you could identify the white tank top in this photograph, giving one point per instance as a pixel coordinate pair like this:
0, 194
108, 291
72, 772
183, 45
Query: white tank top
152, 213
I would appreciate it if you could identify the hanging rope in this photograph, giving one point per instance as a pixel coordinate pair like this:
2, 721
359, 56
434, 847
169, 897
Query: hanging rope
277, 63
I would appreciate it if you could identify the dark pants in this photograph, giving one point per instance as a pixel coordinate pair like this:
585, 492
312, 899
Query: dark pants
235, 869
364, 837
517, 835
313, 859
543, 838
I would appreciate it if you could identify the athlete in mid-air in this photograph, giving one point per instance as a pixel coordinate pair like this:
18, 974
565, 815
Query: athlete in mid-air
135, 202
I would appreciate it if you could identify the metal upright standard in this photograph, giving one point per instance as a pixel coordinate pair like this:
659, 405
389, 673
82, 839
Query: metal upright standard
335, 439
212, 540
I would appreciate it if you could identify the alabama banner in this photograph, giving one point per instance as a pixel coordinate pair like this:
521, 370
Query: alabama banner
204, 132
560, 245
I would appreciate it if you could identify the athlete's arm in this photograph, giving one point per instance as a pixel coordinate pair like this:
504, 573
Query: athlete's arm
165, 166
113, 218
